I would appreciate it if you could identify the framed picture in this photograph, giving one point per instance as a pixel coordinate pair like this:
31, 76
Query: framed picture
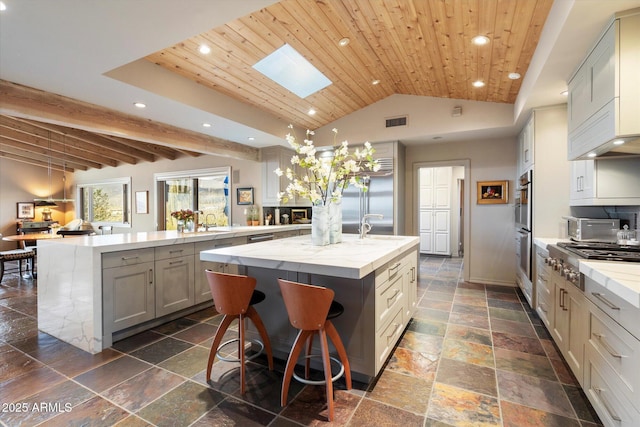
297, 214
26, 210
245, 196
493, 192
142, 202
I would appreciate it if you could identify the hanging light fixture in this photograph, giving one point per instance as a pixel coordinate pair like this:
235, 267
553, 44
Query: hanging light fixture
48, 202
64, 170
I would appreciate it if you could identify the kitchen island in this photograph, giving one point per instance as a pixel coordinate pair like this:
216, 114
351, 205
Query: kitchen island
93, 290
374, 278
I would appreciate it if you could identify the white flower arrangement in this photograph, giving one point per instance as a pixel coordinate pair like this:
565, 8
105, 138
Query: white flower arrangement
326, 177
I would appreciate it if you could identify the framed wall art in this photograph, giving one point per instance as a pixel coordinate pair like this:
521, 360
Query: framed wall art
142, 202
493, 192
245, 196
26, 210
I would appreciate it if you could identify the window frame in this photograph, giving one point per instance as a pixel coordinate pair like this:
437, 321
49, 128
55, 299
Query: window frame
126, 200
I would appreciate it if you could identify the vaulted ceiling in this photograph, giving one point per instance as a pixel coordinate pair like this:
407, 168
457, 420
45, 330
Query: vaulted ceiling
412, 47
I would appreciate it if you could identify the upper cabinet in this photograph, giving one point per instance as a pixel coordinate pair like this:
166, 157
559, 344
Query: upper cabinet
604, 93
272, 184
525, 146
605, 182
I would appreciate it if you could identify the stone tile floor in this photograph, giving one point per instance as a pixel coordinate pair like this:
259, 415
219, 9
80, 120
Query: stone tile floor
474, 355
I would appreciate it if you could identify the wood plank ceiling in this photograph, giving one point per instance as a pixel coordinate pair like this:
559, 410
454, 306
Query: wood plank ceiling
415, 47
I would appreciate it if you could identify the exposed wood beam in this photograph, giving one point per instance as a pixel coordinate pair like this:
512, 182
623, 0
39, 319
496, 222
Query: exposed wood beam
22, 101
43, 153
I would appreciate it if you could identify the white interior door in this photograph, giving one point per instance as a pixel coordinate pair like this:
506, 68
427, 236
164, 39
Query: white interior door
435, 210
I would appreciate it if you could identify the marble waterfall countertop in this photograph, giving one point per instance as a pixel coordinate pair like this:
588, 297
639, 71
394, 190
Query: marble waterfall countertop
354, 258
126, 241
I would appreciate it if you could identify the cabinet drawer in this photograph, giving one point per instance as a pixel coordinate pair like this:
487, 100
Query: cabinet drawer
172, 251
391, 270
617, 308
386, 339
602, 387
388, 298
619, 349
124, 258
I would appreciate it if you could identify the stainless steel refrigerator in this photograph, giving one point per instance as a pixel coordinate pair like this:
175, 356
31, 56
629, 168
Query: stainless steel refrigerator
378, 199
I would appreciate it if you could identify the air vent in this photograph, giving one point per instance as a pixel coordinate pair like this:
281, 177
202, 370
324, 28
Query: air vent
396, 121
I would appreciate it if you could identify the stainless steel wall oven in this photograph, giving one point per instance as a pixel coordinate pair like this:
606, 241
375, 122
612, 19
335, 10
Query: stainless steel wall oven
523, 221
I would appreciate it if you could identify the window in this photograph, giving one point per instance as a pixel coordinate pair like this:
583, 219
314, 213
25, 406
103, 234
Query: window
105, 202
204, 190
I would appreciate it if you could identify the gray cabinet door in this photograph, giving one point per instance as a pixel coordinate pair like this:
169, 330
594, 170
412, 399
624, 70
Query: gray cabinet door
128, 295
174, 284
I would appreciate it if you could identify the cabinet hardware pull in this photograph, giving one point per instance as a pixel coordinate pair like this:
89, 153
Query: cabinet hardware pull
606, 404
413, 274
394, 295
176, 251
180, 261
606, 302
607, 346
266, 237
129, 258
395, 267
151, 276
395, 330
561, 303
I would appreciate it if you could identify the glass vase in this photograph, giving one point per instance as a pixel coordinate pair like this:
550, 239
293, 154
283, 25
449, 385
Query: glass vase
180, 226
320, 225
335, 222
190, 225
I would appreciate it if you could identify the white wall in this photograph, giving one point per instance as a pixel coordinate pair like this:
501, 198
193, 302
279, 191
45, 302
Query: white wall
142, 180
490, 254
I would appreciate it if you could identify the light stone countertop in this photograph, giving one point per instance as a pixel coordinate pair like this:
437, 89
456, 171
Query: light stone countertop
127, 241
543, 242
354, 258
621, 278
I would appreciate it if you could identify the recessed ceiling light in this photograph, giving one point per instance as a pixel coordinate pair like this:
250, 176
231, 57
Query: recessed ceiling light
375, 82
344, 41
480, 40
206, 125
618, 142
204, 49
591, 155
292, 71
140, 104
564, 93
478, 83
311, 111
2, 6
251, 138
514, 76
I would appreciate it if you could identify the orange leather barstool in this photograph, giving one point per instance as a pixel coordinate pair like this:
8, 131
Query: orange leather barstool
310, 309
234, 296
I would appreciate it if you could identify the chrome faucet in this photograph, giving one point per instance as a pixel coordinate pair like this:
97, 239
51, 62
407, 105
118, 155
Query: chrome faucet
206, 220
365, 227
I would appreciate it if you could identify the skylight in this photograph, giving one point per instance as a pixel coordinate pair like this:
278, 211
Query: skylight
290, 70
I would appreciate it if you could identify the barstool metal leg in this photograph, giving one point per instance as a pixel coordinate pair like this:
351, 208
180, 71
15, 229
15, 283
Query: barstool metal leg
301, 339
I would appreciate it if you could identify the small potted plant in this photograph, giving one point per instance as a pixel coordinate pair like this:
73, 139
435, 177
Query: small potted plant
253, 215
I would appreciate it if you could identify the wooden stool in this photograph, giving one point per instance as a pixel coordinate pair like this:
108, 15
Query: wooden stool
234, 296
309, 310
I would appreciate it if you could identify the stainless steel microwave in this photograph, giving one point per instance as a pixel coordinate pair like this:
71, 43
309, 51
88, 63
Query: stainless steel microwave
592, 230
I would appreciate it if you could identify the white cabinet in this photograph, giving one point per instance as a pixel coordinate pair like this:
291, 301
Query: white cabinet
570, 322
395, 302
174, 278
272, 184
604, 93
544, 288
127, 289
526, 140
435, 210
605, 182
